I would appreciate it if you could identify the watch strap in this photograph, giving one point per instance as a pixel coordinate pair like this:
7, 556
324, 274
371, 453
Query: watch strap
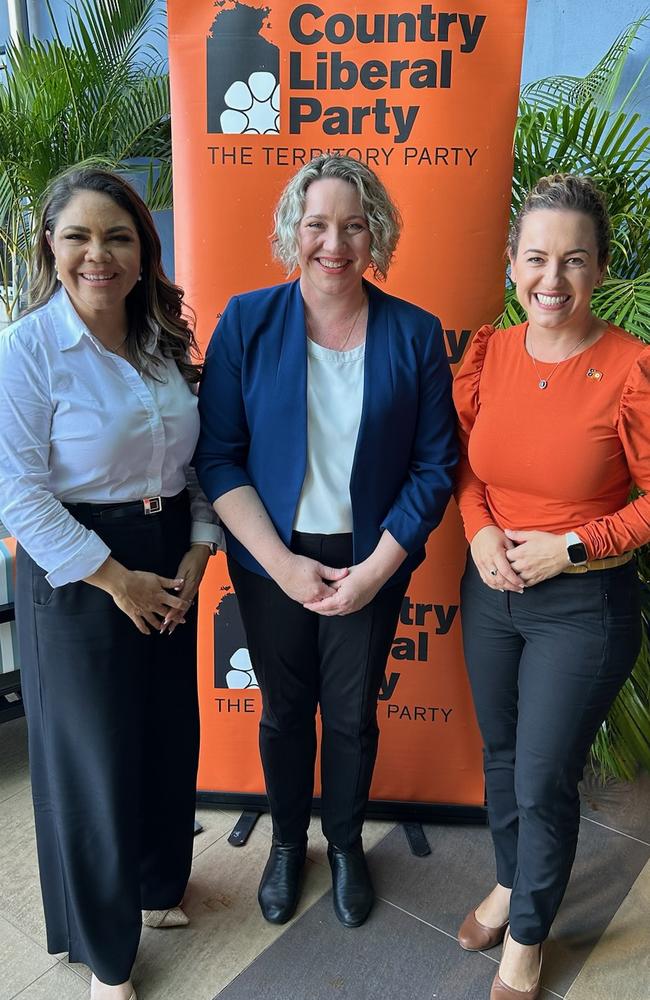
576, 549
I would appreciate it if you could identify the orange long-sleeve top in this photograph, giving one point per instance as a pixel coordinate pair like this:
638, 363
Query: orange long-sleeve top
558, 459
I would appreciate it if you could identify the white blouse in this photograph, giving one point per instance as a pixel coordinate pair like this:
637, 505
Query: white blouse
334, 403
79, 424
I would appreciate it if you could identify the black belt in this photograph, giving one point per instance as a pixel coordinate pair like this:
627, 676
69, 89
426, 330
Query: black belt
133, 509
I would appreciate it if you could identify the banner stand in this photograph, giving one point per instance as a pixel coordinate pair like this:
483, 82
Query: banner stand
427, 96
389, 811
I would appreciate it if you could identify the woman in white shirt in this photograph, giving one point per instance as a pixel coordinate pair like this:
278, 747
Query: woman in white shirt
327, 446
98, 423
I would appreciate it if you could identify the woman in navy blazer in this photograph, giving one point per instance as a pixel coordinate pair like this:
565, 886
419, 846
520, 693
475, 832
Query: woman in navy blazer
327, 447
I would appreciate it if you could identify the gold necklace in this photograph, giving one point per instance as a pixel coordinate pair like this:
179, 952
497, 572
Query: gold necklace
354, 323
119, 347
543, 382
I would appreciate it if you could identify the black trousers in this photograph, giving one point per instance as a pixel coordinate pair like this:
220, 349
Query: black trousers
113, 741
545, 667
302, 659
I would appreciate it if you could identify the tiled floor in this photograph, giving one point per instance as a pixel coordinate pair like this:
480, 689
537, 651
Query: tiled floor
599, 949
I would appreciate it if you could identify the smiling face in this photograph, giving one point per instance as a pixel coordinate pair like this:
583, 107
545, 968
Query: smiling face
333, 238
556, 269
97, 251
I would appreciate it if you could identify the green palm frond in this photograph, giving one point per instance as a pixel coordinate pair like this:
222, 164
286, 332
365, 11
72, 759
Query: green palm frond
610, 147
104, 96
159, 192
512, 314
600, 86
626, 302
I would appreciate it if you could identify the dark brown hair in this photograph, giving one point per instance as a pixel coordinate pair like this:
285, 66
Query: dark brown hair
567, 192
154, 305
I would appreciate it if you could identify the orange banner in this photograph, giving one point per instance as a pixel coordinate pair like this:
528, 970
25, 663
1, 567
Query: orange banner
427, 96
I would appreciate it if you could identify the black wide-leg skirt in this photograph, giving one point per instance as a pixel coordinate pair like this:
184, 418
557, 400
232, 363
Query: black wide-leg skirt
113, 741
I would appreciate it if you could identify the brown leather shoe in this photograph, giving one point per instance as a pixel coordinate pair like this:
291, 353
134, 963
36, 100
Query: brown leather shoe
501, 990
475, 936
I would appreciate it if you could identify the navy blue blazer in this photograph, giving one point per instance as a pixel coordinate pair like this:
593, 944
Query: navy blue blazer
253, 406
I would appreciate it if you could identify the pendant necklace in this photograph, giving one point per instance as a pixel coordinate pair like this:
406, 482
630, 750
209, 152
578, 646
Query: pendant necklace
116, 350
543, 382
354, 323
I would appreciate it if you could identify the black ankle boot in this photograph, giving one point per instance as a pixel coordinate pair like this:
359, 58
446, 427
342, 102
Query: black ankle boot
279, 889
352, 889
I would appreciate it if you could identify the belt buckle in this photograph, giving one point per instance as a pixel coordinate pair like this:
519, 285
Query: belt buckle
152, 505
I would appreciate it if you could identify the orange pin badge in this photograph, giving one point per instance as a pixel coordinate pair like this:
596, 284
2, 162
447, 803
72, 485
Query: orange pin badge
594, 374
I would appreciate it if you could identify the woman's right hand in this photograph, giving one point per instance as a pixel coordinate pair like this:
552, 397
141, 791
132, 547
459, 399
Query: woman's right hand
143, 596
304, 580
488, 548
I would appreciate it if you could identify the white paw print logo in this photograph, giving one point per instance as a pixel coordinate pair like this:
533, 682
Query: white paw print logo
242, 674
253, 106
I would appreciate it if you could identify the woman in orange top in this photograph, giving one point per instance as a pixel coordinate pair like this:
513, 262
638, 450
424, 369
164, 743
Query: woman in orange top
555, 424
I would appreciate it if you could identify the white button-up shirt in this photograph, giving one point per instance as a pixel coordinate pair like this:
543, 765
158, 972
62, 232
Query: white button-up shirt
78, 424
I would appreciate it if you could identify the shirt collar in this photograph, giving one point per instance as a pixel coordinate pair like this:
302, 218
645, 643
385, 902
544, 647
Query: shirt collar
69, 327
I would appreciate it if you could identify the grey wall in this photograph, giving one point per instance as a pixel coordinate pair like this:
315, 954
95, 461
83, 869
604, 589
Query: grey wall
568, 37
4, 22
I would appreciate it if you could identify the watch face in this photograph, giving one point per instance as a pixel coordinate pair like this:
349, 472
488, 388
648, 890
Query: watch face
577, 553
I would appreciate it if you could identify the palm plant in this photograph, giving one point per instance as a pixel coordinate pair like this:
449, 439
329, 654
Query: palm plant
103, 97
567, 124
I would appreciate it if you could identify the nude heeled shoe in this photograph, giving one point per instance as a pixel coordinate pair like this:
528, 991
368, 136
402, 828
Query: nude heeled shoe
475, 936
175, 917
101, 991
501, 990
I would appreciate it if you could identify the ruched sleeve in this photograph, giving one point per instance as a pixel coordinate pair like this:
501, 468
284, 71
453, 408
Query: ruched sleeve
629, 527
469, 490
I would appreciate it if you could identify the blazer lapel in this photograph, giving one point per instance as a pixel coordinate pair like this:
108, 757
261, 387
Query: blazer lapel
377, 382
290, 403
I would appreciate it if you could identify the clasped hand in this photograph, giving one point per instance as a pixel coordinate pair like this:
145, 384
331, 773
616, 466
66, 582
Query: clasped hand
489, 548
350, 594
520, 558
190, 572
145, 598
536, 555
324, 589
306, 580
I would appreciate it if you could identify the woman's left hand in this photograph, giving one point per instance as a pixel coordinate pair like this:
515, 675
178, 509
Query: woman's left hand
537, 555
352, 593
191, 570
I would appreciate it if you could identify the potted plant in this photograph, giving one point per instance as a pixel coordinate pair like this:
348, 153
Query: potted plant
104, 96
